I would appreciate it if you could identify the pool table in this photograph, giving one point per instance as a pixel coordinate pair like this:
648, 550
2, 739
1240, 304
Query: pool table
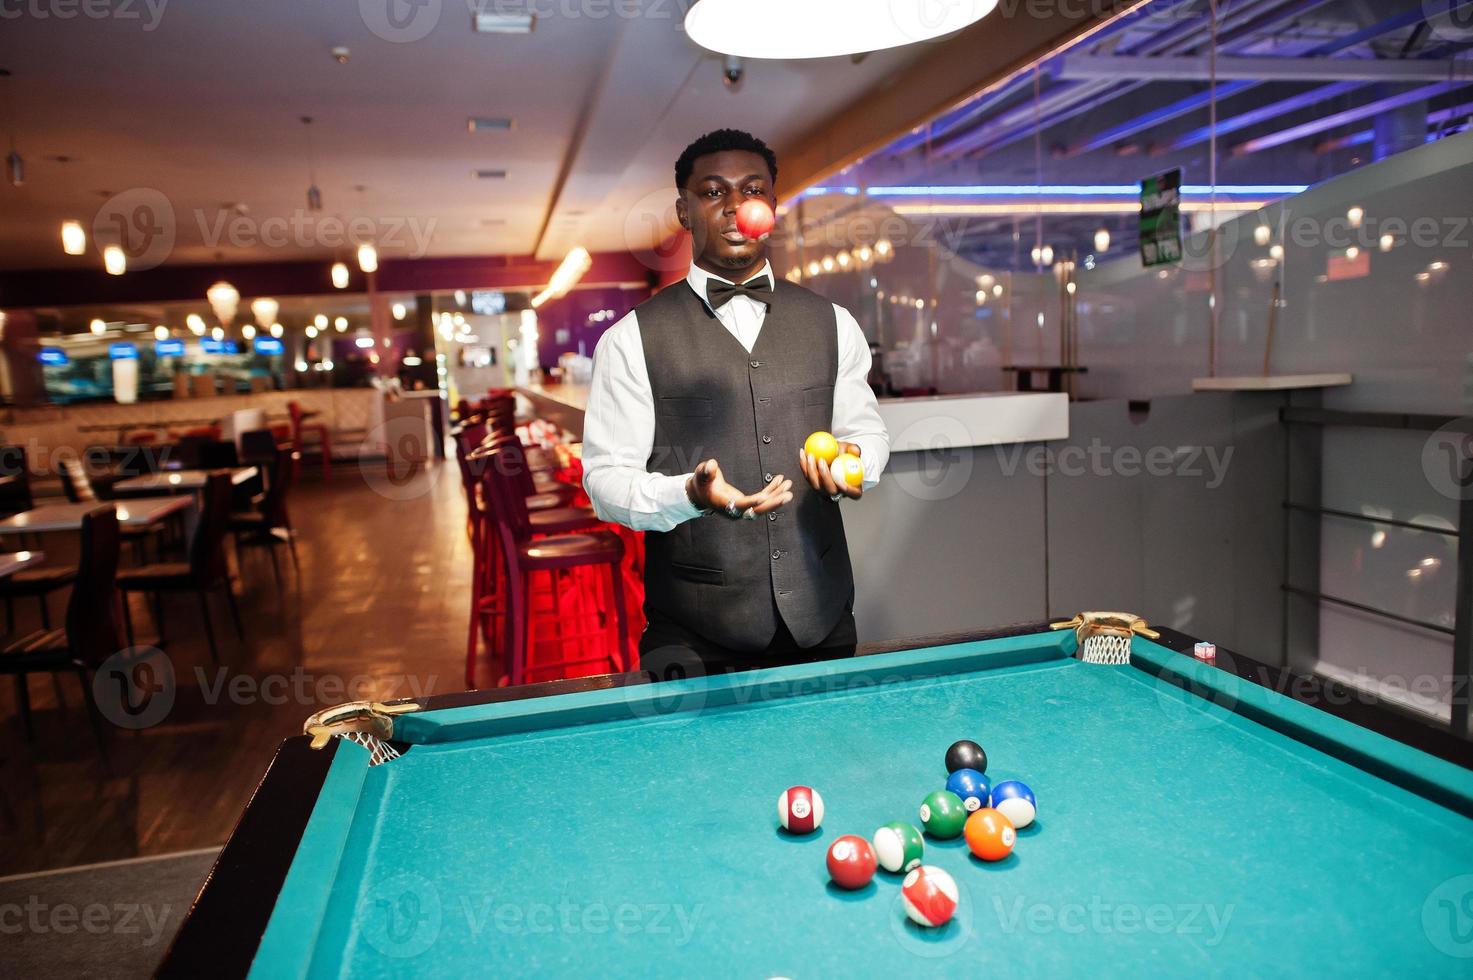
1193, 819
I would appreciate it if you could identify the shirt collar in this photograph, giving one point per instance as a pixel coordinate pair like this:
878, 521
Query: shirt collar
698, 277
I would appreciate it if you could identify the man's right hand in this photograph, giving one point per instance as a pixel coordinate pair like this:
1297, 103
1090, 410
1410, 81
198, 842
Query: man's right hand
708, 489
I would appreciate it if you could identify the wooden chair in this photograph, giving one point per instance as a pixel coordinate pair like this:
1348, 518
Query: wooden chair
78, 487
91, 632
205, 572
269, 525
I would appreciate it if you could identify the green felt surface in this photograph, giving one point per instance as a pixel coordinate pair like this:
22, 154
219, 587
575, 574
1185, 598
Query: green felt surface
1175, 836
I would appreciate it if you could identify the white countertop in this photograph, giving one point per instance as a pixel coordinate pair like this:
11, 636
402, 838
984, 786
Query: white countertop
1271, 382
938, 422
982, 419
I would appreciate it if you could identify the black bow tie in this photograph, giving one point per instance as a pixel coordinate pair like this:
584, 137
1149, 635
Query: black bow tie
718, 293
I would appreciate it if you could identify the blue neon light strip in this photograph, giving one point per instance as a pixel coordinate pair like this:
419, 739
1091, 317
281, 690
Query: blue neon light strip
1056, 190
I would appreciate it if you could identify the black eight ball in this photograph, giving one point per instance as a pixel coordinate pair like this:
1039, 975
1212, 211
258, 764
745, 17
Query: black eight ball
966, 754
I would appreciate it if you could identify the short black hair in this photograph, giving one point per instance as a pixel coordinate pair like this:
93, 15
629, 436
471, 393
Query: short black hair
717, 141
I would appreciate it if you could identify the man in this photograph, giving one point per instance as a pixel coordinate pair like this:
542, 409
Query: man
702, 397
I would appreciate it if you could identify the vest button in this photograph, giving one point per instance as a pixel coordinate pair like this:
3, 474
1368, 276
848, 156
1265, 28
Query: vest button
756, 363
767, 438
772, 517
767, 477
776, 554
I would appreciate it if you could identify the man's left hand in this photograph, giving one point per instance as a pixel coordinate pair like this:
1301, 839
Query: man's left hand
816, 472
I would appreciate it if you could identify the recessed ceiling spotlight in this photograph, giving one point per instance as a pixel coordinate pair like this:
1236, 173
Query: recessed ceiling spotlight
341, 55
488, 124
486, 22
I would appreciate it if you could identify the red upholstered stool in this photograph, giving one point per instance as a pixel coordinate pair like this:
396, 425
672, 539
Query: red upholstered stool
547, 513
321, 438
525, 554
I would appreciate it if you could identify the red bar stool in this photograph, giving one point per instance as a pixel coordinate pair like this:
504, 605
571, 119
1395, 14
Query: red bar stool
526, 554
548, 514
300, 428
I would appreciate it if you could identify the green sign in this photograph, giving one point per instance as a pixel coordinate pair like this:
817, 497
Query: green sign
1160, 231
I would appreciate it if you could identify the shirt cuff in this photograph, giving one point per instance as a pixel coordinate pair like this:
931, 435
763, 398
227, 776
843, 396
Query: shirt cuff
870, 457
674, 502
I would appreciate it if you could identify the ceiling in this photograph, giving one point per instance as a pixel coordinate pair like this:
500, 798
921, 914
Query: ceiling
1331, 84
193, 117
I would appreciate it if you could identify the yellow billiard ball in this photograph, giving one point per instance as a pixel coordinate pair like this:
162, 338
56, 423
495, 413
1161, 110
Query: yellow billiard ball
822, 445
847, 468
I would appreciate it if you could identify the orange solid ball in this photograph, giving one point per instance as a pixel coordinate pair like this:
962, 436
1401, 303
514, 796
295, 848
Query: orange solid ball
990, 835
822, 445
846, 468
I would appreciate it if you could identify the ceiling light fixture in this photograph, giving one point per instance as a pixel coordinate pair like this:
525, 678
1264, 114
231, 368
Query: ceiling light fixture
73, 238
488, 124
264, 309
574, 265
367, 257
114, 260
224, 300
196, 324
98, 327
314, 196
823, 28
340, 275
498, 23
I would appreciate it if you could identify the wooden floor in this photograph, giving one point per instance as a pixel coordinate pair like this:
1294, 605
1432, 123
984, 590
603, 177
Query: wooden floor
379, 612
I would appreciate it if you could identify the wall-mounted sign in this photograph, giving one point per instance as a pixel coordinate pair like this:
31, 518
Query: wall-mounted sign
1160, 221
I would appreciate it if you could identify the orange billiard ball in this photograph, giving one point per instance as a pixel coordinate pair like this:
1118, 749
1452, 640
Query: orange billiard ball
847, 468
989, 834
822, 445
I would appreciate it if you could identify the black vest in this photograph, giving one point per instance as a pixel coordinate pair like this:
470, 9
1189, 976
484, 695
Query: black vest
724, 579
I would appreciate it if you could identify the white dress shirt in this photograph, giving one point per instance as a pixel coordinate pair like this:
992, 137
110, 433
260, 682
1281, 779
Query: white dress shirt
619, 425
